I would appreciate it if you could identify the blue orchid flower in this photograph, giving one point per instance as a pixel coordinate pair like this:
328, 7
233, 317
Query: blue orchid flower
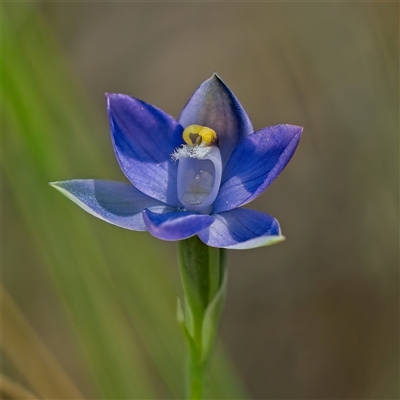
191, 176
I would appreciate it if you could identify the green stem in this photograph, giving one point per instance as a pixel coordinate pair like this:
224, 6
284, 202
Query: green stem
197, 375
197, 368
203, 275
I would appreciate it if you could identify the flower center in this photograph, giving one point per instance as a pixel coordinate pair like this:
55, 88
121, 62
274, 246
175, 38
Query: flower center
195, 135
199, 169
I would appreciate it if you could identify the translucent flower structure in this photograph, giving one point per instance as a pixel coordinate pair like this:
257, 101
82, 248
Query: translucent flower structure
191, 176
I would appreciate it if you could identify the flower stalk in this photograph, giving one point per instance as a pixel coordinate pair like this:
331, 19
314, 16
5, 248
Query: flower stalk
203, 273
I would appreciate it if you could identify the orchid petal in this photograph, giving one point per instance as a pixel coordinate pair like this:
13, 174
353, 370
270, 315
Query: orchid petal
175, 225
242, 229
144, 138
118, 203
254, 165
215, 106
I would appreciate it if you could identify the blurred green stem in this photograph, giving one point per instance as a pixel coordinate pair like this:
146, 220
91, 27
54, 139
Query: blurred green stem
197, 371
203, 274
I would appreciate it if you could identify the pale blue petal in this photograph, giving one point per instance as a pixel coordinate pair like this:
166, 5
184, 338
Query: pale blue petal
118, 203
144, 138
175, 225
255, 164
242, 229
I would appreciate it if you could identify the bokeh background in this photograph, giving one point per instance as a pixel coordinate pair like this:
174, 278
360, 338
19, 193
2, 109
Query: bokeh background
89, 309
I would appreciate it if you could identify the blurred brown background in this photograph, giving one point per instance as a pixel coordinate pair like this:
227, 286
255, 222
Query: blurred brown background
316, 317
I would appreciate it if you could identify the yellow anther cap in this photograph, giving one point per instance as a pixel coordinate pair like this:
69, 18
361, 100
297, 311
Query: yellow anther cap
195, 135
